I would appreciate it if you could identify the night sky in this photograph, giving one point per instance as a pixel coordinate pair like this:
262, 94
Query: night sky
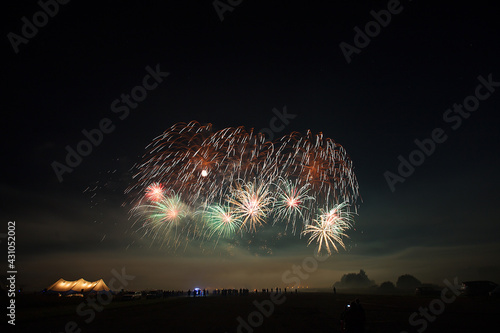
400, 86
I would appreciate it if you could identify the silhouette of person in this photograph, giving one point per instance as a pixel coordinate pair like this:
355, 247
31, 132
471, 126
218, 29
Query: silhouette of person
361, 316
353, 318
349, 318
189, 292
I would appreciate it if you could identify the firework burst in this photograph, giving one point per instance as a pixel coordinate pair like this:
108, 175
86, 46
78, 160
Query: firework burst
237, 172
251, 203
330, 227
164, 218
292, 202
155, 192
221, 220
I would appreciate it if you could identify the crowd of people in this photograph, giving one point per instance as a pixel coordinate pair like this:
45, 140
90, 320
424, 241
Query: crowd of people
232, 292
218, 292
352, 319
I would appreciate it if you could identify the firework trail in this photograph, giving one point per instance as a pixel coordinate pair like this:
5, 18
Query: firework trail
237, 172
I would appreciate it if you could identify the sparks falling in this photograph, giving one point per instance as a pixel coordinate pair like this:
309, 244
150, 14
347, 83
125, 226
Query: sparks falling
234, 181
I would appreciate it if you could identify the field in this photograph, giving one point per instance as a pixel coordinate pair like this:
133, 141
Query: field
303, 312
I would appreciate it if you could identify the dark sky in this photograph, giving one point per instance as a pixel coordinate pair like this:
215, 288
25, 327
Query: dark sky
441, 222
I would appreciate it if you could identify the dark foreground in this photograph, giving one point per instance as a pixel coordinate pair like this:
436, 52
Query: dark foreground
303, 312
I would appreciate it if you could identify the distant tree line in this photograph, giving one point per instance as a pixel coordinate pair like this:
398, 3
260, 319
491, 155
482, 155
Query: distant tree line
405, 283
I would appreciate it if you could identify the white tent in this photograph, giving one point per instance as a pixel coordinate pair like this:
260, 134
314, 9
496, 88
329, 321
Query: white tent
79, 286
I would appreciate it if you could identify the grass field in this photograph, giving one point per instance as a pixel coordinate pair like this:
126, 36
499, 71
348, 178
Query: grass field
303, 312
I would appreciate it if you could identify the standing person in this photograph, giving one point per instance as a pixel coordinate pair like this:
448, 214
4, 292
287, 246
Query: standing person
346, 319
350, 319
360, 317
